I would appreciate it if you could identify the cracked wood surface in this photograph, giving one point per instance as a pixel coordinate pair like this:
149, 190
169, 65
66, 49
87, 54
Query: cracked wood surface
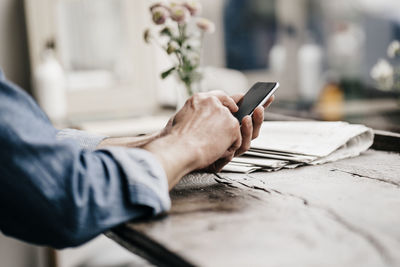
345, 213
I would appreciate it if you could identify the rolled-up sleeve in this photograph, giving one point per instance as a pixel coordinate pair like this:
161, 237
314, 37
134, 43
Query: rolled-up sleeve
57, 190
85, 140
146, 179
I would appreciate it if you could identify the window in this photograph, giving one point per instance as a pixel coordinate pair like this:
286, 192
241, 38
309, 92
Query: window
99, 44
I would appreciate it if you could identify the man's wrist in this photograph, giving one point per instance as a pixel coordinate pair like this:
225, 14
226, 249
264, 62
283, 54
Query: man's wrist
177, 155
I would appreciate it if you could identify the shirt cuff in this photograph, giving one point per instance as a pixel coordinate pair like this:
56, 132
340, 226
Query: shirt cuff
85, 140
146, 178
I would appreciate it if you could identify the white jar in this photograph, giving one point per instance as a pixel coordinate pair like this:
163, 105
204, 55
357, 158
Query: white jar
50, 85
310, 71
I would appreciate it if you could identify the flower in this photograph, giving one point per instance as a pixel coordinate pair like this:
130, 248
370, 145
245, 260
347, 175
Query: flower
205, 25
147, 35
157, 5
180, 14
174, 3
160, 14
180, 36
393, 49
193, 44
172, 47
382, 73
193, 6
166, 31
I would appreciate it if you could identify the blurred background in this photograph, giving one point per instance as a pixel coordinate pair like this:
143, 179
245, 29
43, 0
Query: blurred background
86, 63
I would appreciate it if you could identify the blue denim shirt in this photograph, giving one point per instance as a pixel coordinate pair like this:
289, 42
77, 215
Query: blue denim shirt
56, 189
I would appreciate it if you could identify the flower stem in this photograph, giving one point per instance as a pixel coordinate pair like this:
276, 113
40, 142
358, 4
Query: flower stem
189, 89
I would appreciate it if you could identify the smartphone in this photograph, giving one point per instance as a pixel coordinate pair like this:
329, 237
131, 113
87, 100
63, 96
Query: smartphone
258, 94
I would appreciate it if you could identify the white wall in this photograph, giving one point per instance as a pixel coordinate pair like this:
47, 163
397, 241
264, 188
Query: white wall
214, 51
14, 60
14, 253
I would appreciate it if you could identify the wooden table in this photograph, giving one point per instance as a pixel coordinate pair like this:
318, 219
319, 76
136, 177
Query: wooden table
345, 213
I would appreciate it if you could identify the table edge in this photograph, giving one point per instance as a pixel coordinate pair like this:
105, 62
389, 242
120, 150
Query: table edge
141, 245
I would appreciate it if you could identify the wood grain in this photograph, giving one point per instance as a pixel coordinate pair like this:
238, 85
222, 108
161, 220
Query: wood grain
345, 213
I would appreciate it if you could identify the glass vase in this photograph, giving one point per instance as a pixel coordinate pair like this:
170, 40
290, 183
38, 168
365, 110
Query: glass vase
183, 92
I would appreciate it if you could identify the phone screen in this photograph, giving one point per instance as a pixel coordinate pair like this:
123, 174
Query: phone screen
257, 94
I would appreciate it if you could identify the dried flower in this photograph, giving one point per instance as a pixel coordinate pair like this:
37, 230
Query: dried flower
172, 47
160, 14
205, 25
193, 44
393, 49
180, 37
147, 35
180, 14
194, 7
382, 73
174, 3
158, 5
166, 31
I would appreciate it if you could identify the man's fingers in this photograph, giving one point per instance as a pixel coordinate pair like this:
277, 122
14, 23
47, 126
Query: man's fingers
269, 101
227, 153
238, 142
219, 164
247, 132
236, 145
258, 118
237, 97
228, 102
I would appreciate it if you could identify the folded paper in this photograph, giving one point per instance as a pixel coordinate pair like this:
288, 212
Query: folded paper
290, 144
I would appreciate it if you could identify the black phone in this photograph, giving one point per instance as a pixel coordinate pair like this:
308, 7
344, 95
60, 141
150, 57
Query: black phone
257, 95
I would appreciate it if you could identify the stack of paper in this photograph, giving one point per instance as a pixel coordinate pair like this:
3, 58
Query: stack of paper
290, 144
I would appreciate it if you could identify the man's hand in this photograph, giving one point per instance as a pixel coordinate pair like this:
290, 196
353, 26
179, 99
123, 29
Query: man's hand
250, 129
225, 100
202, 132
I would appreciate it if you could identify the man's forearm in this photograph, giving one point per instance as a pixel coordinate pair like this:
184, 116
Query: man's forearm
176, 155
136, 141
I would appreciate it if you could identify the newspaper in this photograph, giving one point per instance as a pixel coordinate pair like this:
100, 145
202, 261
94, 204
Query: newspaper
290, 144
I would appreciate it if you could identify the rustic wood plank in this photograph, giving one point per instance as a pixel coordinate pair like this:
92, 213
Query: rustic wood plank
364, 198
345, 213
145, 247
383, 167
